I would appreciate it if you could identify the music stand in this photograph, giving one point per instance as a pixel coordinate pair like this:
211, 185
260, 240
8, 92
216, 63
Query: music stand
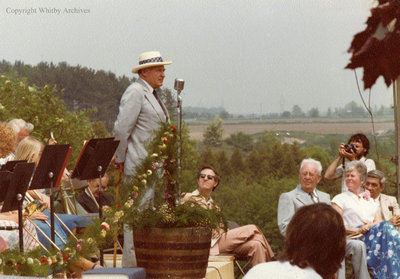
9, 166
49, 172
17, 187
92, 163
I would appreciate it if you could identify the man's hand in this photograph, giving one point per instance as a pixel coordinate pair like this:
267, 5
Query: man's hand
395, 220
365, 228
39, 216
351, 156
119, 166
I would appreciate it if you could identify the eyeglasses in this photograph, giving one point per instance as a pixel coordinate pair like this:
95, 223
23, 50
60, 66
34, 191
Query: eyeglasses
209, 176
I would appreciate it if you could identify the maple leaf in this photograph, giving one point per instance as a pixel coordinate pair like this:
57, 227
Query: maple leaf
376, 49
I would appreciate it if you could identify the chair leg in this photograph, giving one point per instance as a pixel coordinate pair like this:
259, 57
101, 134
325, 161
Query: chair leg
240, 268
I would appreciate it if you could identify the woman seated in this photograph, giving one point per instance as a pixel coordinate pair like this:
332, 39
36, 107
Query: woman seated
315, 246
361, 218
31, 149
10, 234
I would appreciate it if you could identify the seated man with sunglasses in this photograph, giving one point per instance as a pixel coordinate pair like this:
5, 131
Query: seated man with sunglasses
245, 241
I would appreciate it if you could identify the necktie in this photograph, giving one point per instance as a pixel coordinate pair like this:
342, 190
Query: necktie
313, 197
161, 105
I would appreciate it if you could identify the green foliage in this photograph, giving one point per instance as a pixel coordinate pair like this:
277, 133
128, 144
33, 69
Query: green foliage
236, 161
189, 214
213, 133
317, 153
255, 203
240, 140
81, 88
45, 111
15, 263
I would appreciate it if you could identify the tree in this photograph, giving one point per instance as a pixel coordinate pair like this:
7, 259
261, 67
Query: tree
240, 140
237, 161
207, 157
224, 114
329, 113
80, 87
46, 111
286, 114
223, 164
297, 112
213, 133
313, 112
170, 102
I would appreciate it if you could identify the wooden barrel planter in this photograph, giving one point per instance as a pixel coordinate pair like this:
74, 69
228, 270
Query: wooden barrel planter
173, 252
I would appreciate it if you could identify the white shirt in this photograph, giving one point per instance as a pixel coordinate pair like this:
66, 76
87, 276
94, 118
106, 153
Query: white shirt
281, 270
369, 163
356, 209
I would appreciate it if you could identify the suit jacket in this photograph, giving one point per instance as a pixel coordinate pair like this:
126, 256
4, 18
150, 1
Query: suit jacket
90, 206
139, 115
291, 201
384, 202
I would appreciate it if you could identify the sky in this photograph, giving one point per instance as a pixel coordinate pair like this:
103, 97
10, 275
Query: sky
249, 56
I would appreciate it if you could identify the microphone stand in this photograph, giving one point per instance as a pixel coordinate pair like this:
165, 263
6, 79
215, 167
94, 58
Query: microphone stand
179, 83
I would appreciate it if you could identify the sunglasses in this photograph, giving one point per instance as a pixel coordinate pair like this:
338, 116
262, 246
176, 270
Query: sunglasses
209, 176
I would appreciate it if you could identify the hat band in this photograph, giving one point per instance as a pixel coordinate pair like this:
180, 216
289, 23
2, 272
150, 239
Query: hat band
151, 60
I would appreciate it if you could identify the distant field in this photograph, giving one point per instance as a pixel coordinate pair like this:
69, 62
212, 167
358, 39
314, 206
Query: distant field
196, 131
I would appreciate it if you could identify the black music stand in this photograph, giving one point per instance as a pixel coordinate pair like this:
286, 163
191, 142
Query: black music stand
9, 166
18, 182
92, 163
49, 172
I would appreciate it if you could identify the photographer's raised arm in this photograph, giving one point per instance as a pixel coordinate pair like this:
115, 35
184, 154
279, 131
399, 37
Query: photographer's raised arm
330, 173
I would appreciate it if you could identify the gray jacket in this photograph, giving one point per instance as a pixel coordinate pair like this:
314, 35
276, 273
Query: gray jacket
291, 201
139, 115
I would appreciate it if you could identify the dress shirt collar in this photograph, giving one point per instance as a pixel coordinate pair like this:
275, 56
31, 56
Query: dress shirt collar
197, 193
378, 199
151, 89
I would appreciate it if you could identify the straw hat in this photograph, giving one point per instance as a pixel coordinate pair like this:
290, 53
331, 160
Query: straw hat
150, 59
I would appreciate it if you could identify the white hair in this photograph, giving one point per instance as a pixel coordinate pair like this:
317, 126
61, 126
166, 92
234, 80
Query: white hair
17, 124
310, 160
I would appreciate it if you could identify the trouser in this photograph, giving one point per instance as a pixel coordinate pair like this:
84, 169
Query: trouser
246, 241
357, 250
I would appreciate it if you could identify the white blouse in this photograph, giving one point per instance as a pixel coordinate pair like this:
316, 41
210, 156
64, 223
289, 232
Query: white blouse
356, 209
281, 270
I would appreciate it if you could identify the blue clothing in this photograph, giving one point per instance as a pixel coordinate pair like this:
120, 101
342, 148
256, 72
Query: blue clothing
383, 250
71, 221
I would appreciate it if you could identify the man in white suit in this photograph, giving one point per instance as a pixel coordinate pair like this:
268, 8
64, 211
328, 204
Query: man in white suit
388, 206
305, 194
140, 113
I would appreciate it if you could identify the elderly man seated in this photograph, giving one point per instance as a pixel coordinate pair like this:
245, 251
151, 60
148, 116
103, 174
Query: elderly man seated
387, 205
242, 241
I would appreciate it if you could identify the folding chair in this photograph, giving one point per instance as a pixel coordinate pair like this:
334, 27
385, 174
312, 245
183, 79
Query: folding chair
237, 260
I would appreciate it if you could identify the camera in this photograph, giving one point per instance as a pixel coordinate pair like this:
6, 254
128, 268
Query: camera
350, 147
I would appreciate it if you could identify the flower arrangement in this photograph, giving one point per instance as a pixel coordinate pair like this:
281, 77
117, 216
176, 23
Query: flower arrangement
158, 170
38, 263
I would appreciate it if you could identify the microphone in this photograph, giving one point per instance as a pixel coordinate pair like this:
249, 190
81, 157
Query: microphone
179, 84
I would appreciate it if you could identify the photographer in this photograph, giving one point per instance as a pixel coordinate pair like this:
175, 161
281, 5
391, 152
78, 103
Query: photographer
356, 149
